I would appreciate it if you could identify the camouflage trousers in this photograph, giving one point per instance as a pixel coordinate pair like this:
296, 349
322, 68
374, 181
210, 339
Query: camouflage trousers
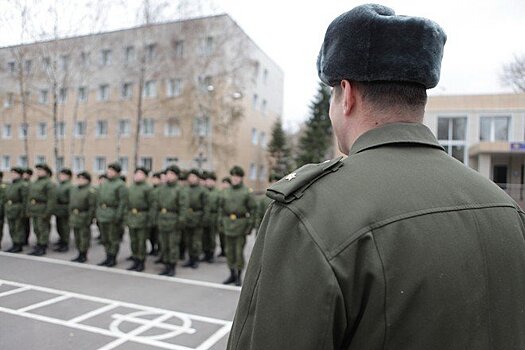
137, 237
193, 241
209, 237
169, 241
110, 234
82, 238
235, 251
42, 228
17, 230
63, 228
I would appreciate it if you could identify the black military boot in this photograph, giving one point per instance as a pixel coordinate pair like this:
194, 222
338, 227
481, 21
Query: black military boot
232, 278
133, 267
105, 262
39, 250
16, 248
112, 261
210, 259
130, 258
171, 270
62, 247
140, 266
82, 257
238, 280
166, 270
189, 263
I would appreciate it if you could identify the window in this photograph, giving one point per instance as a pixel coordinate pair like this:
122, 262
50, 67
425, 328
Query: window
127, 91
206, 83
28, 66
146, 162
130, 54
256, 67
124, 127
262, 173
254, 136
253, 171
262, 139
147, 127
43, 97
60, 162
40, 159
102, 128
201, 126
79, 164
174, 87
170, 161
103, 92
22, 161
150, 52
8, 101
124, 164
100, 164
452, 135
84, 59
6, 162
179, 49
265, 76
62, 95
41, 131
61, 130
172, 127
23, 131
82, 94
254, 101
263, 107
46, 62
494, 128
105, 57
150, 89
11, 67
80, 129
207, 46
6, 132
64, 62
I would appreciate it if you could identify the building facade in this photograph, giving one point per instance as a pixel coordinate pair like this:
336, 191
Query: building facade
196, 93
486, 133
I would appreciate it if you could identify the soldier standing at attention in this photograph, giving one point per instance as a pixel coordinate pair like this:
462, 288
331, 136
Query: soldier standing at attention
3, 187
196, 214
111, 208
28, 173
225, 184
171, 207
101, 179
183, 183
211, 225
153, 234
41, 202
238, 212
15, 200
139, 216
264, 202
62, 209
399, 246
82, 206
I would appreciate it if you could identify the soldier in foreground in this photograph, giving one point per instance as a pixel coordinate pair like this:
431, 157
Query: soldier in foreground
209, 236
15, 200
139, 217
26, 176
41, 203
399, 246
82, 206
111, 208
225, 184
238, 212
62, 210
3, 187
153, 234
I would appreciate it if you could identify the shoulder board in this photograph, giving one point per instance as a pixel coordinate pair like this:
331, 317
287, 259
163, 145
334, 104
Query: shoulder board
250, 190
292, 186
92, 190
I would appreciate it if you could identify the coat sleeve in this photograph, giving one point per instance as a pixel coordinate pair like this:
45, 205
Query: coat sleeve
92, 200
122, 203
51, 193
290, 298
183, 203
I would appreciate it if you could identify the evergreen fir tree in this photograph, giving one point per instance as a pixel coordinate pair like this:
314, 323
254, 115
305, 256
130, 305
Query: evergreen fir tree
279, 151
316, 142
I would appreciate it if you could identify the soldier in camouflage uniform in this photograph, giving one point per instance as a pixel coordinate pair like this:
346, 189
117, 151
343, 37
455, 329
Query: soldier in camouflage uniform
139, 216
225, 184
183, 183
171, 206
111, 208
41, 201
62, 209
2, 196
238, 212
263, 202
82, 206
153, 234
209, 237
197, 213
28, 173
15, 200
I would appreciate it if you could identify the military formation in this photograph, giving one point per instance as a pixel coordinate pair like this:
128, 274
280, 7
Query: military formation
175, 215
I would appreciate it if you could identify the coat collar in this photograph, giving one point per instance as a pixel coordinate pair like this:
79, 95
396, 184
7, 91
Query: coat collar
396, 133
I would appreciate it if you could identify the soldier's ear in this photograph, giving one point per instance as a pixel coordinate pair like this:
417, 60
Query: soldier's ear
348, 96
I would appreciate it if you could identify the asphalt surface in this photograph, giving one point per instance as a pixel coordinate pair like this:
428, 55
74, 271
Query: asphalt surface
51, 303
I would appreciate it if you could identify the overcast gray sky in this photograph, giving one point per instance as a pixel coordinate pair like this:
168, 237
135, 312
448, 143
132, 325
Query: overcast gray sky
482, 36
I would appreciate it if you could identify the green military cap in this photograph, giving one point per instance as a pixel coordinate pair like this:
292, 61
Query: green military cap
102, 176
123, 177
195, 171
212, 175
237, 171
183, 175
27, 171
66, 171
143, 169
157, 174
274, 177
115, 166
18, 170
226, 179
44, 167
85, 175
174, 169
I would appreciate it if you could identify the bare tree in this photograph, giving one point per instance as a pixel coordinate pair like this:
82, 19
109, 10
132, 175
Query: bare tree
513, 74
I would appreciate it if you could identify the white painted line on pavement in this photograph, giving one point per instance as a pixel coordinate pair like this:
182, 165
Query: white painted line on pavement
14, 291
43, 303
122, 272
93, 313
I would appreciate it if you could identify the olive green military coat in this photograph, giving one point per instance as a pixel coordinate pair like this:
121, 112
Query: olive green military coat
140, 204
41, 198
171, 206
238, 208
62, 195
111, 201
82, 205
15, 199
397, 247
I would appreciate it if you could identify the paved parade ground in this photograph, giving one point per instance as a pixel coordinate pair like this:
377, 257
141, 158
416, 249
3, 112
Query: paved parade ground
50, 303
